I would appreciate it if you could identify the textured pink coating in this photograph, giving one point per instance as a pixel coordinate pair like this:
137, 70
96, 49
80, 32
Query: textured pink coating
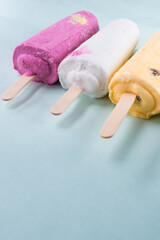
41, 54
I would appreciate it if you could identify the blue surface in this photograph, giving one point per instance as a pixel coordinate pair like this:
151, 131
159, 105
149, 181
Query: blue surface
58, 179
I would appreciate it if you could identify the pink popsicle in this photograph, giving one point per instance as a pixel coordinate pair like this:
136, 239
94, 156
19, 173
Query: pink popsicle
41, 54
38, 57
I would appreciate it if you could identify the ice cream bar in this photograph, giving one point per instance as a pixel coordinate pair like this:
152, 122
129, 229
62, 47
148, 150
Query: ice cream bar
40, 55
139, 78
90, 67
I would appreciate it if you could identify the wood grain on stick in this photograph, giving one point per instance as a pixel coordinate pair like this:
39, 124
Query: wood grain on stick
116, 117
66, 100
11, 92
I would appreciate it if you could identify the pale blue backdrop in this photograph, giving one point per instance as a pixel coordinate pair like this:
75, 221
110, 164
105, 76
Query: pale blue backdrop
58, 179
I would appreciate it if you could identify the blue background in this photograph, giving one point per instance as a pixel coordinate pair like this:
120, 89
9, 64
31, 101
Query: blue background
58, 179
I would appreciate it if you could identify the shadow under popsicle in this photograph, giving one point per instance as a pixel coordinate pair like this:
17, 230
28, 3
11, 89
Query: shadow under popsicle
24, 96
78, 109
125, 146
155, 119
153, 157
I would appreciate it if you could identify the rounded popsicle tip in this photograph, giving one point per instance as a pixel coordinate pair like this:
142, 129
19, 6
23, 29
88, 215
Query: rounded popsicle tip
106, 133
66, 100
5, 97
118, 114
55, 110
12, 92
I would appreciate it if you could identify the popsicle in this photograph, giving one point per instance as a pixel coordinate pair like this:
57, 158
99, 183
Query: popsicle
136, 86
90, 67
38, 57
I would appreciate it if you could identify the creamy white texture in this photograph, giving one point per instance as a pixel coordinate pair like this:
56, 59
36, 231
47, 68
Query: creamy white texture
92, 65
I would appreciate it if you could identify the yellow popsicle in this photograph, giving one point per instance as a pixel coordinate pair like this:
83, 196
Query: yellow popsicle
140, 76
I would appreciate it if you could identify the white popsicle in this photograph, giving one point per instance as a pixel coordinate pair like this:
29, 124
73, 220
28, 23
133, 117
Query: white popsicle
91, 66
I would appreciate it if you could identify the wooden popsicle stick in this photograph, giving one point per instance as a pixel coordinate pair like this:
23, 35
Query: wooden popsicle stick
11, 92
66, 100
111, 125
